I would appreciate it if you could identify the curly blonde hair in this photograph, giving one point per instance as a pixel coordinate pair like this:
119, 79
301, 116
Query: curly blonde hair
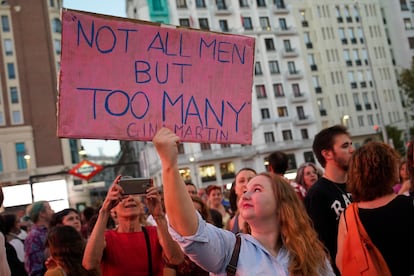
308, 256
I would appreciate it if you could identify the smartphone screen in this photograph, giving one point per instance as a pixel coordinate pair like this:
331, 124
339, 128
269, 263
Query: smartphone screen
135, 186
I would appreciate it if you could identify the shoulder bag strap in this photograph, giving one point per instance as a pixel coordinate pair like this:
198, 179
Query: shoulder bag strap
232, 266
147, 240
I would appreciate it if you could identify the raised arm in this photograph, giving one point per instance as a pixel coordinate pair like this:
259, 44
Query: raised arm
178, 204
171, 249
96, 243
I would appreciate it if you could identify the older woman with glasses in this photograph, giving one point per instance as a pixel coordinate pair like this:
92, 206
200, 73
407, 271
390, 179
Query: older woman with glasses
307, 174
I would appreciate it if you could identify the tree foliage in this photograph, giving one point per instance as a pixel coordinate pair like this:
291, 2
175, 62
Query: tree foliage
406, 83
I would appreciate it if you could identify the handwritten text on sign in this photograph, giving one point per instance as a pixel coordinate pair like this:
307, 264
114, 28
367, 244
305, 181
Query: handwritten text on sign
123, 79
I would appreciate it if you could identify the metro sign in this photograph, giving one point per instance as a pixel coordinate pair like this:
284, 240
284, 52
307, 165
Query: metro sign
86, 170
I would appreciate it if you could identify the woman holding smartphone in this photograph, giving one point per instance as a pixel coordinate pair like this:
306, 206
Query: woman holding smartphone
125, 250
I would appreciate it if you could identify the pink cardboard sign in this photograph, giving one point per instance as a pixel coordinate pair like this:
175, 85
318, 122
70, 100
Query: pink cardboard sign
124, 79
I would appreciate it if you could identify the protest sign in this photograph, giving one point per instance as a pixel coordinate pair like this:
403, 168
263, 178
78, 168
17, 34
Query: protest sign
124, 79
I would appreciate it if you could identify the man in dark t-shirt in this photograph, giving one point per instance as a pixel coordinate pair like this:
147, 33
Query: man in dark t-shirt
327, 198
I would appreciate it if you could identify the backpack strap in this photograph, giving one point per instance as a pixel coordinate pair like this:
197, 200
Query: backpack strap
147, 241
232, 266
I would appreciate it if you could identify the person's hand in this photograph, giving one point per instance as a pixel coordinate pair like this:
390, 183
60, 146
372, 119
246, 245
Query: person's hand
165, 141
154, 203
114, 195
50, 263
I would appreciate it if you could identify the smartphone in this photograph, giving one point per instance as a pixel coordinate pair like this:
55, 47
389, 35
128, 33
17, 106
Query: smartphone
135, 186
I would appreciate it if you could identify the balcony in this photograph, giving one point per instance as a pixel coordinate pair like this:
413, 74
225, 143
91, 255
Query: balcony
309, 45
354, 85
340, 19
349, 19
348, 62
344, 41
363, 84
289, 53
314, 67
323, 112
223, 10
303, 120
294, 75
280, 9
353, 40
305, 23
358, 107
368, 106
286, 31
358, 62
298, 98
318, 89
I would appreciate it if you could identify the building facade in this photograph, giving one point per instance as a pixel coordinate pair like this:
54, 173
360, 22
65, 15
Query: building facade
318, 63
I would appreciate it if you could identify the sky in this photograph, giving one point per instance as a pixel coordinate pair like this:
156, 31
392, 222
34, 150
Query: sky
108, 7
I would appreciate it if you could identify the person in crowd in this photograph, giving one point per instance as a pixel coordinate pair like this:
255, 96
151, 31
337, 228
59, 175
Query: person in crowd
86, 216
278, 164
12, 231
66, 247
407, 188
35, 244
328, 198
307, 174
202, 194
384, 215
215, 198
191, 188
131, 247
68, 216
4, 266
281, 240
243, 176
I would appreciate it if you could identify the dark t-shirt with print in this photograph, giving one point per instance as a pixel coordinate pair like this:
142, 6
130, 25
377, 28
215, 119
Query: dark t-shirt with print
324, 202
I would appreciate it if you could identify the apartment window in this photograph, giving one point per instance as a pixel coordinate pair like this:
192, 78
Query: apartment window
185, 174
185, 22
52, 3
181, 4
14, 95
282, 24
274, 67
17, 117
56, 44
280, 4
205, 146
224, 27
265, 113
243, 3
360, 120
341, 32
261, 91
227, 170
270, 44
296, 90
411, 42
56, 25
407, 24
264, 23
181, 148
309, 157
346, 56
287, 45
370, 120
403, 4
20, 153
208, 173
282, 111
11, 71
5, 23
203, 23
247, 23
292, 67
301, 112
258, 69
291, 162
269, 137
8, 47
278, 90
287, 135
200, 3
221, 4
311, 59
261, 3
338, 11
304, 133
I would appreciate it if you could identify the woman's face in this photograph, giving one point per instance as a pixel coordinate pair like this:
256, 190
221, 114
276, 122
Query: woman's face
72, 219
310, 176
215, 197
403, 172
130, 206
243, 177
258, 201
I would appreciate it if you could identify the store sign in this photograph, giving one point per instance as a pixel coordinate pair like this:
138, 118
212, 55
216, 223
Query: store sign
86, 170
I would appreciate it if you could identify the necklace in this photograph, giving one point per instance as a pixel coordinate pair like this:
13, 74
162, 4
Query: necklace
335, 184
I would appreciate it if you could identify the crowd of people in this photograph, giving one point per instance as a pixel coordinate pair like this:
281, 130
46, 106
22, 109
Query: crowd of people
271, 226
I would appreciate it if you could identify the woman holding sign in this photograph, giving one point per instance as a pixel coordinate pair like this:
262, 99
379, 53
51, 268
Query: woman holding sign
281, 240
126, 249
